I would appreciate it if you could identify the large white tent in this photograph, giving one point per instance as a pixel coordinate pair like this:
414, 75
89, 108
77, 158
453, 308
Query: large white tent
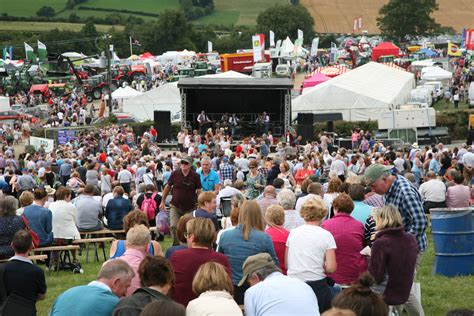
228, 74
358, 95
125, 93
435, 73
163, 98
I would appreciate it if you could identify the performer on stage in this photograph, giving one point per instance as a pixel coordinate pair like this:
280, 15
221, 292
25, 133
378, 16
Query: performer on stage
266, 122
203, 121
233, 122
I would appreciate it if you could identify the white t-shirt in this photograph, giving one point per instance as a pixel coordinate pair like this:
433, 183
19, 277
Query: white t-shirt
307, 246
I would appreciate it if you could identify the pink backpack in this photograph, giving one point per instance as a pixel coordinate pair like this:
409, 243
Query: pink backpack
149, 206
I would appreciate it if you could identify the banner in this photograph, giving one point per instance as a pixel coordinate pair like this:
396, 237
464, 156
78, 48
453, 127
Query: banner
272, 39
209, 47
29, 54
453, 50
360, 22
300, 34
314, 46
36, 142
65, 136
463, 38
469, 39
42, 53
6, 54
355, 26
258, 47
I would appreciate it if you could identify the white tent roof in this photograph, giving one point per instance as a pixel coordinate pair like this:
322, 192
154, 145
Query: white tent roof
287, 48
125, 93
435, 73
163, 98
423, 63
360, 94
228, 74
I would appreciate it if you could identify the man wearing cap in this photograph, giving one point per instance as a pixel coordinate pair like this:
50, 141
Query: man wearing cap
272, 293
25, 182
399, 192
186, 185
210, 180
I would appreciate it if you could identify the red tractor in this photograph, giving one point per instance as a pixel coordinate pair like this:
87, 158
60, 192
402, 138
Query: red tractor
126, 73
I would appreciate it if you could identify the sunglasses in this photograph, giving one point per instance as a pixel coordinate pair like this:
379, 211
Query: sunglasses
184, 163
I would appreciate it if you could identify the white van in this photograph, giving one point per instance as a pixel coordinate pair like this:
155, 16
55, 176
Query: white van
262, 70
430, 88
471, 95
439, 87
421, 97
283, 71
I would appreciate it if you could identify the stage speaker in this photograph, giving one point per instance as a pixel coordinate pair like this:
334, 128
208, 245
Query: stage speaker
330, 127
163, 125
305, 119
306, 131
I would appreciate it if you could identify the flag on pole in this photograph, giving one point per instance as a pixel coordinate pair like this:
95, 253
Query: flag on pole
333, 54
11, 52
42, 52
258, 45
314, 46
453, 50
29, 54
6, 55
272, 39
209, 47
360, 22
355, 25
300, 34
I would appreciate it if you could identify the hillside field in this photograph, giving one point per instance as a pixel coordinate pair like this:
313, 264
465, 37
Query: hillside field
227, 12
47, 26
336, 16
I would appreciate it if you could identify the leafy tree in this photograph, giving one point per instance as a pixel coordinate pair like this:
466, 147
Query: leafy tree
285, 20
74, 18
402, 19
46, 11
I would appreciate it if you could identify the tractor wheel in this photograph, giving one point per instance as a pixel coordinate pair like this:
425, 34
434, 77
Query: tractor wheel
97, 93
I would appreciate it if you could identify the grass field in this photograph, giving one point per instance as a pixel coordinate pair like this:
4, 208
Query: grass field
28, 7
337, 16
47, 26
439, 294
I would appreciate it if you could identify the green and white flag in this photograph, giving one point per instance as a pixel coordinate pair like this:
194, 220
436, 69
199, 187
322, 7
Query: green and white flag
30, 55
42, 53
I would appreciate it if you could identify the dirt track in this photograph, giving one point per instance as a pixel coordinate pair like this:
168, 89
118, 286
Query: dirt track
336, 16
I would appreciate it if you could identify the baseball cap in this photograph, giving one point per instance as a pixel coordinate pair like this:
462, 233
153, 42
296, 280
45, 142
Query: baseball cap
187, 159
255, 263
375, 172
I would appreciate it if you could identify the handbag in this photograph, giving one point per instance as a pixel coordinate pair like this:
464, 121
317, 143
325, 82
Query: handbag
161, 221
34, 236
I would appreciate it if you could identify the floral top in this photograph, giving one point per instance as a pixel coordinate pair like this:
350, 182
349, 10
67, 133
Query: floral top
252, 191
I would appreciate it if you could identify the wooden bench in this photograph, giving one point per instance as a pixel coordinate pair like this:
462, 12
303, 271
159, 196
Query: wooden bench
63, 253
93, 241
34, 257
87, 235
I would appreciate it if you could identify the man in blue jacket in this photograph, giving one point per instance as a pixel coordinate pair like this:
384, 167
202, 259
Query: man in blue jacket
116, 209
39, 218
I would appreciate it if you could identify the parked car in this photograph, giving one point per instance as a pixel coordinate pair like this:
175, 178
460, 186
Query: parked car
283, 71
10, 115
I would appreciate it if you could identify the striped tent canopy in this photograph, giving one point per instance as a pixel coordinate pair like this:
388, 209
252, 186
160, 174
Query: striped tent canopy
331, 71
393, 65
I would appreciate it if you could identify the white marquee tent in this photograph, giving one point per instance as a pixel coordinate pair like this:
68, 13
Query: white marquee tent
125, 93
163, 98
435, 73
359, 95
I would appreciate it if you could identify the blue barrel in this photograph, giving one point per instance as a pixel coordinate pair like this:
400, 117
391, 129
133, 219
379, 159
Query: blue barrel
453, 236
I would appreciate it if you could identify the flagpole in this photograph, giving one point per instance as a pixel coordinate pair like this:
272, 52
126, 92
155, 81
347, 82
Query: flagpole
131, 49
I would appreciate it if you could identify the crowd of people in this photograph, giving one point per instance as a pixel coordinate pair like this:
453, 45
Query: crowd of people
344, 230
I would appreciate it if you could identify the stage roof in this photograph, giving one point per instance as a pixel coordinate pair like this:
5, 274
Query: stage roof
235, 83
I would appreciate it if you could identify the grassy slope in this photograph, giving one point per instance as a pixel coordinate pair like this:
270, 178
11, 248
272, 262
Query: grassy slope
439, 294
46, 26
28, 7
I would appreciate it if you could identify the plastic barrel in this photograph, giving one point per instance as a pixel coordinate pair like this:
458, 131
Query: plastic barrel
453, 236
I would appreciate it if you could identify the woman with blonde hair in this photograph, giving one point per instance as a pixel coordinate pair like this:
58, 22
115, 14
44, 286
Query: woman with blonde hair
214, 288
393, 258
311, 252
275, 217
26, 198
247, 239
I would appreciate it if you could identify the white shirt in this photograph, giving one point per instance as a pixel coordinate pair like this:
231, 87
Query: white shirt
125, 176
339, 166
64, 220
148, 178
303, 199
293, 219
433, 191
279, 295
307, 246
468, 159
399, 162
242, 163
213, 303
109, 196
226, 192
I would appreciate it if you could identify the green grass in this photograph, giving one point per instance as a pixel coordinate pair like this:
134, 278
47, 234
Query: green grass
442, 107
28, 7
149, 6
220, 18
48, 26
439, 294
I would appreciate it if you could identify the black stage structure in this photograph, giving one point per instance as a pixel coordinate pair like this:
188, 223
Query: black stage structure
247, 97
